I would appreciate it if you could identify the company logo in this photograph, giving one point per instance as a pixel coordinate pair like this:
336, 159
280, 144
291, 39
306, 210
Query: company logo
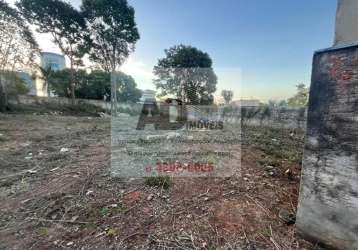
161, 118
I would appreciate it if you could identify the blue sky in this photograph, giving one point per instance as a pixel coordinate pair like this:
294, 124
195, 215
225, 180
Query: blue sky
260, 49
269, 44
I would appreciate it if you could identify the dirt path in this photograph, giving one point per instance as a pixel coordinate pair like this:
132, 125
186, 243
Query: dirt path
55, 200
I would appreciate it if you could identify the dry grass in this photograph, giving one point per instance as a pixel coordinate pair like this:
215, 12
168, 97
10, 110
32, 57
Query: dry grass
69, 200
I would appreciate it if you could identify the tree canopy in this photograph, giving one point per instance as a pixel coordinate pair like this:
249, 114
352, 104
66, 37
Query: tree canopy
18, 50
127, 88
66, 25
18, 47
113, 31
95, 85
186, 72
300, 99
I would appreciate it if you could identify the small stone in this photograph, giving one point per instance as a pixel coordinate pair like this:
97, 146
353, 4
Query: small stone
64, 150
26, 144
114, 205
70, 243
89, 192
246, 179
74, 218
150, 197
25, 201
32, 171
287, 217
269, 168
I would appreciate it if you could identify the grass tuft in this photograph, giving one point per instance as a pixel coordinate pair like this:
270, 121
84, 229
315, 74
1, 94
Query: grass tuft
158, 181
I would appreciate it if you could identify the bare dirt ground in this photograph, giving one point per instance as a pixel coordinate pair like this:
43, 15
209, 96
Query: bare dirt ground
68, 200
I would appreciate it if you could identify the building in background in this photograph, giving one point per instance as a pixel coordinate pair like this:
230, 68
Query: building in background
52, 60
246, 103
48, 60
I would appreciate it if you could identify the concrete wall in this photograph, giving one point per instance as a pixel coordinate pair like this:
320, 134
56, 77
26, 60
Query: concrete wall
289, 118
346, 22
328, 204
26, 99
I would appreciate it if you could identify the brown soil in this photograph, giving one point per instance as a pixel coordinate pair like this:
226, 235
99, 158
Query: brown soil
68, 200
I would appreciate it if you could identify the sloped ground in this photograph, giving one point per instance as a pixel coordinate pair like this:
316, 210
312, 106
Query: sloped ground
67, 200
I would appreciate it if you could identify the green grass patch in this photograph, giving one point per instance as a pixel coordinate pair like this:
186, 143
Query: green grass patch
158, 181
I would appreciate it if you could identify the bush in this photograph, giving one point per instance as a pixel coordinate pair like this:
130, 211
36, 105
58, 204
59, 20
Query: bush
158, 181
95, 85
11, 86
79, 109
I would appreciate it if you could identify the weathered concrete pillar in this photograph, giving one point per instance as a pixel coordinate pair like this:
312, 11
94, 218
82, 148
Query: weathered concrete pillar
346, 22
328, 204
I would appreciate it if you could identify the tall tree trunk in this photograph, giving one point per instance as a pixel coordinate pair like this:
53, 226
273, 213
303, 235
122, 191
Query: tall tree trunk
72, 83
113, 93
3, 95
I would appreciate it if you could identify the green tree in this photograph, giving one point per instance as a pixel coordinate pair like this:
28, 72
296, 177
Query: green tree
95, 85
59, 83
300, 99
66, 25
127, 88
18, 50
113, 34
15, 84
113, 31
227, 95
186, 72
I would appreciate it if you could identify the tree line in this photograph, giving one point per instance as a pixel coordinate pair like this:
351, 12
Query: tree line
94, 85
105, 31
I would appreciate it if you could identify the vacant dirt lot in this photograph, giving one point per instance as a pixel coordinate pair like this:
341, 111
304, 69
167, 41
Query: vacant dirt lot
56, 193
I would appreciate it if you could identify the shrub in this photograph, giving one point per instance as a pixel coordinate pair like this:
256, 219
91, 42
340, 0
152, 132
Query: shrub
158, 181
